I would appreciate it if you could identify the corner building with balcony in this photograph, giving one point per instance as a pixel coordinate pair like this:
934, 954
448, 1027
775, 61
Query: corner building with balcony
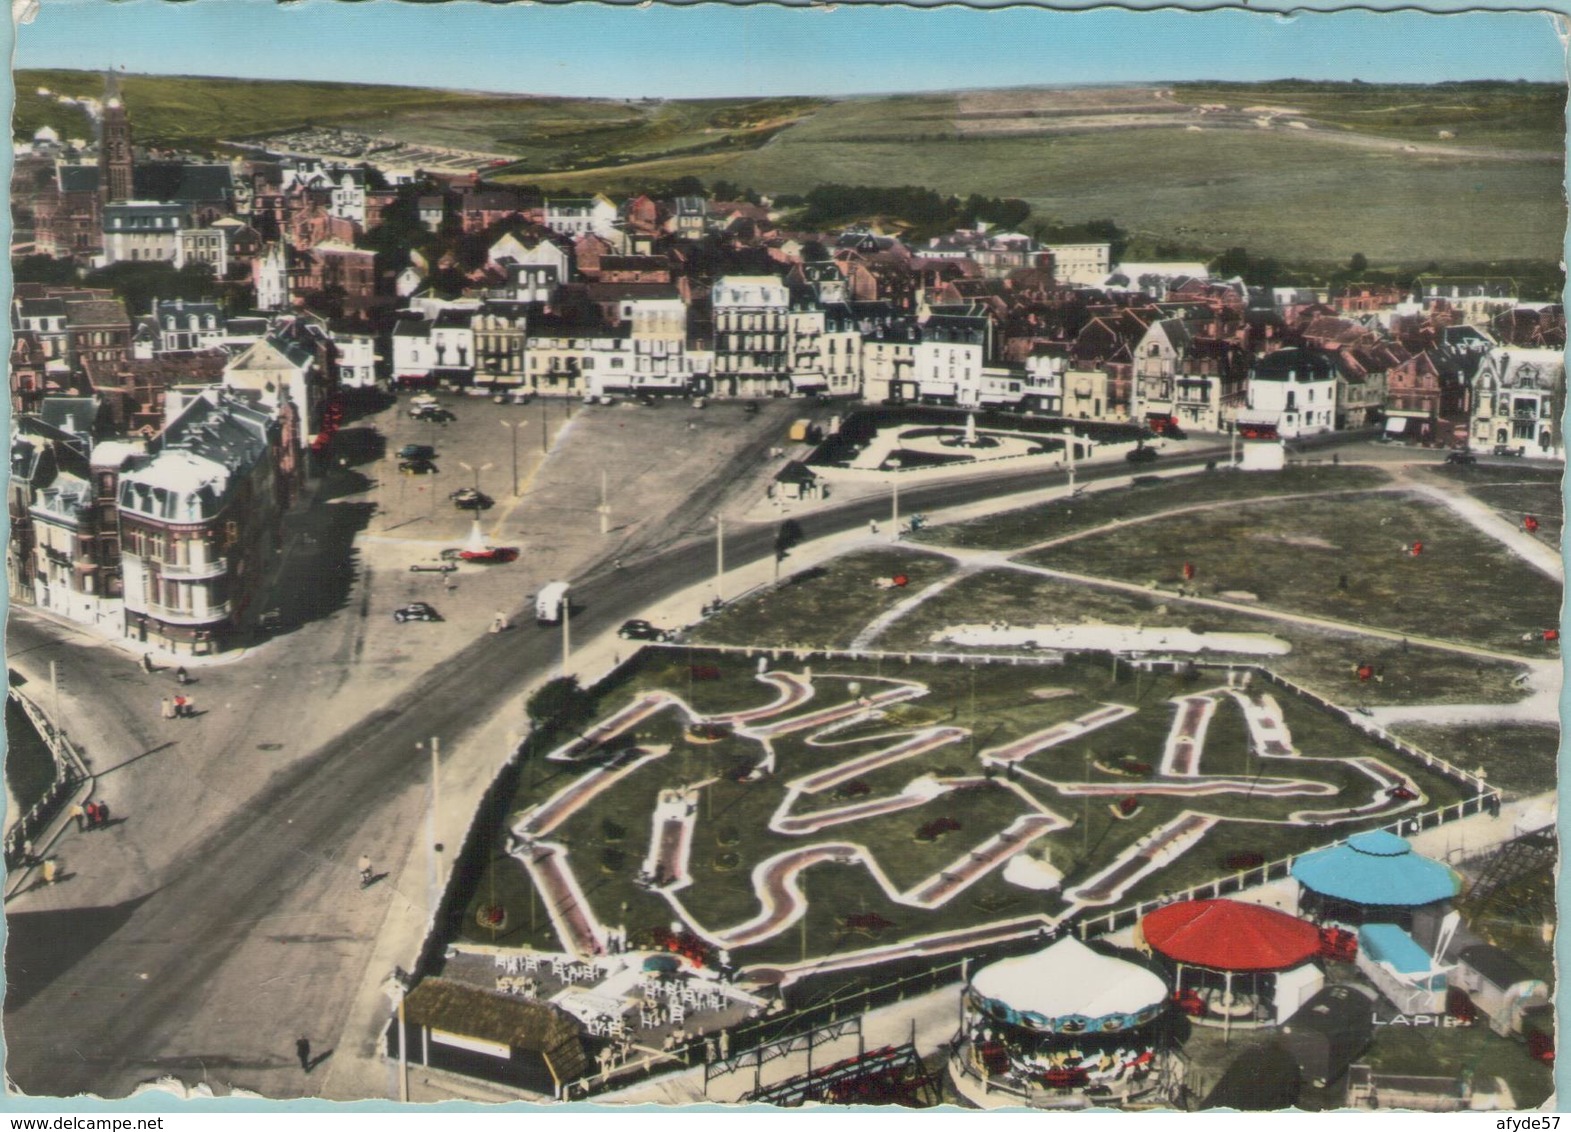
198, 517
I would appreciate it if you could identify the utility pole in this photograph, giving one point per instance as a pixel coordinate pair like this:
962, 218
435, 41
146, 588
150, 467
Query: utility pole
54, 692
513, 431
567, 632
605, 507
1069, 448
544, 405
719, 558
894, 500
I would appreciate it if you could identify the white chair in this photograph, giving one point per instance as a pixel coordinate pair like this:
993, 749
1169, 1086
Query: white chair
531, 964
678, 1015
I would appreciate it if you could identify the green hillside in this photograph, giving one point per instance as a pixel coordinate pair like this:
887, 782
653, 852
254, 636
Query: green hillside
1404, 175
190, 111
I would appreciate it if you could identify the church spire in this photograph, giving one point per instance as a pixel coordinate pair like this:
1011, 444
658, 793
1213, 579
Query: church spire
114, 145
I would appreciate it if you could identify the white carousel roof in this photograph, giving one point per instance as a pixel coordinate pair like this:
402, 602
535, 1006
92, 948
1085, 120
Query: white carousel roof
1069, 978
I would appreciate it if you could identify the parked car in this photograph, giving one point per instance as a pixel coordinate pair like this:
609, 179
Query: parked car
417, 452
416, 467
641, 631
490, 554
431, 413
468, 499
1461, 456
1140, 455
415, 611
1508, 450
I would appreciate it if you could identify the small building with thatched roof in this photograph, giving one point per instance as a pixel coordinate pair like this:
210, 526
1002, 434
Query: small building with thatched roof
463, 1029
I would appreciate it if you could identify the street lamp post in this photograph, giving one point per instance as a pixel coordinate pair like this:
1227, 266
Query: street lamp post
719, 559
512, 429
894, 500
476, 471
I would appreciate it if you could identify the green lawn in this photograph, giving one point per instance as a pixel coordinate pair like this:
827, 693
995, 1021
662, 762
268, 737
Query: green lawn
825, 607
608, 839
1520, 757
1464, 587
1514, 493
1323, 660
1010, 529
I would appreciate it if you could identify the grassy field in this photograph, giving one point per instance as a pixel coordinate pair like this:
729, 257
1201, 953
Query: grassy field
1514, 493
1464, 587
1520, 757
1323, 660
1008, 530
1273, 193
609, 838
825, 607
1492, 114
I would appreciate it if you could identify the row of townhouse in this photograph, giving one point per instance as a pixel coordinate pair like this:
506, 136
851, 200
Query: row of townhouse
151, 504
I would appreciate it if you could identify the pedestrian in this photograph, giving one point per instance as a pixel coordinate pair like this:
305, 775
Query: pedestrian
49, 871
872, 526
365, 870
80, 815
303, 1052
166, 708
103, 813
180, 702
180, 676
28, 859
147, 662
92, 814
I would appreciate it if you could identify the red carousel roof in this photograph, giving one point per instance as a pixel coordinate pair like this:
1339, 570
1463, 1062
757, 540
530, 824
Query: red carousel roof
1229, 936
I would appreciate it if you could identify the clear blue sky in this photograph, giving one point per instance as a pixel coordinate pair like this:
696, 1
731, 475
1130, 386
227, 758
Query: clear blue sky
716, 49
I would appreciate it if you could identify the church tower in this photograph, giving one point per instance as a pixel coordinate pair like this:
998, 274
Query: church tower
114, 146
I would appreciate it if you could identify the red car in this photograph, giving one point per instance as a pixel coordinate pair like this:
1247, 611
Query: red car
490, 554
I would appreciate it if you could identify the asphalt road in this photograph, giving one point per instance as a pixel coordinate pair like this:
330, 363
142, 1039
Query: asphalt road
251, 940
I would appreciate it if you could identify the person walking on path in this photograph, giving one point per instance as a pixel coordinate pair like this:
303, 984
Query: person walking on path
147, 662
180, 676
166, 708
365, 870
80, 816
103, 814
49, 871
303, 1052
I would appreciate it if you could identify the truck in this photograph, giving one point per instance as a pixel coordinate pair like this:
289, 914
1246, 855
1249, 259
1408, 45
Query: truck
804, 429
551, 603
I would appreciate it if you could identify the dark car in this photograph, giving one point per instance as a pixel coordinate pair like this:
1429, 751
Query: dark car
417, 452
1507, 450
432, 413
415, 611
641, 631
416, 467
468, 499
1141, 455
1461, 456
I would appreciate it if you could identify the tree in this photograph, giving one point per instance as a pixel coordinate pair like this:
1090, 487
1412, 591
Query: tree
1358, 264
560, 704
1234, 261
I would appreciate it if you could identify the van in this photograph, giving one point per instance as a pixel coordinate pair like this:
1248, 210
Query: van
551, 603
800, 428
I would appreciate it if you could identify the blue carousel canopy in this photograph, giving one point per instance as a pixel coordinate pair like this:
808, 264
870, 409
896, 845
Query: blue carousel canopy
1376, 868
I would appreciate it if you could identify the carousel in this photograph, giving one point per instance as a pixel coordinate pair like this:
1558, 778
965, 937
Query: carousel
1374, 878
1069, 1026
1236, 964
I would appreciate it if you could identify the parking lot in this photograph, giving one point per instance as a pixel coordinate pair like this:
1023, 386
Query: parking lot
666, 471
